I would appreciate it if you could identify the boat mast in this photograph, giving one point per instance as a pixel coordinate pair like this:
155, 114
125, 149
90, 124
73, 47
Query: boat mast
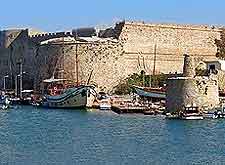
63, 59
154, 66
154, 60
89, 78
77, 64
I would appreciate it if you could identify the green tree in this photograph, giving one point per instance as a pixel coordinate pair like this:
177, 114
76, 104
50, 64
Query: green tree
125, 86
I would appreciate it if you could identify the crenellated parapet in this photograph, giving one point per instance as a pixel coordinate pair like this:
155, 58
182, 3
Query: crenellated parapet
42, 37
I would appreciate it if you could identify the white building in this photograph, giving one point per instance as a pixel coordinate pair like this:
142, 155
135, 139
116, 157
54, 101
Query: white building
215, 65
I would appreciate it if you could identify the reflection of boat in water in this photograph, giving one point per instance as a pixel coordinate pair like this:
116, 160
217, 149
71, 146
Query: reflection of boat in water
71, 97
150, 92
4, 103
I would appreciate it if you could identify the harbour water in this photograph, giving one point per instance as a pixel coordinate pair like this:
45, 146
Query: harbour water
43, 136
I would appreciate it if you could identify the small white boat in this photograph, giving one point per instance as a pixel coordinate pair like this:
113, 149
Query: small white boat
172, 116
104, 105
192, 117
191, 113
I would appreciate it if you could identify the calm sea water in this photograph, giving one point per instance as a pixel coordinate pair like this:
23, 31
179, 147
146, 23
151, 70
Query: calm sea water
42, 136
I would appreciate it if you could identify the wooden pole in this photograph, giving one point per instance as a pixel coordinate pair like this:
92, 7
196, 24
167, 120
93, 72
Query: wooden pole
77, 64
154, 60
154, 66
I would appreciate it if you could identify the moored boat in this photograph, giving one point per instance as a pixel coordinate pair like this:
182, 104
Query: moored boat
105, 104
191, 113
172, 116
75, 97
192, 116
210, 115
158, 93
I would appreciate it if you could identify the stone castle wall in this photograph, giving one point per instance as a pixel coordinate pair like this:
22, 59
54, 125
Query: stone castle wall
8, 36
16, 47
169, 43
136, 47
104, 60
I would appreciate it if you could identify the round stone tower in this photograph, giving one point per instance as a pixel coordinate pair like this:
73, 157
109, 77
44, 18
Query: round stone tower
191, 90
188, 68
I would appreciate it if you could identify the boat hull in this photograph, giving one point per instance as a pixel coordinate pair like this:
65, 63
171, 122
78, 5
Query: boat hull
78, 97
151, 93
210, 115
104, 106
192, 118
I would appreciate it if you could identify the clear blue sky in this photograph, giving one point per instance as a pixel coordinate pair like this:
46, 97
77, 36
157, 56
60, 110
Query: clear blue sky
56, 15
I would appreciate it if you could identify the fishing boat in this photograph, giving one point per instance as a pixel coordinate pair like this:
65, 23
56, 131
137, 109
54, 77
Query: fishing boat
62, 94
158, 93
150, 92
68, 97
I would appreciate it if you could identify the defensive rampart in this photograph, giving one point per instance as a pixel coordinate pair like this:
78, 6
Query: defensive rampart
131, 48
166, 43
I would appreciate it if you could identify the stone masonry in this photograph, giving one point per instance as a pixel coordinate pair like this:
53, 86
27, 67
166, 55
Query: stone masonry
104, 60
192, 90
128, 48
169, 42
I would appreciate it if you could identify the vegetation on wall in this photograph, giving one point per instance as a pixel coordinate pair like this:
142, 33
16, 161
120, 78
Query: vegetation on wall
221, 46
125, 86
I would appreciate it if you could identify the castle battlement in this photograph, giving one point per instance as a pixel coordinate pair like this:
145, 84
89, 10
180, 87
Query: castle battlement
42, 37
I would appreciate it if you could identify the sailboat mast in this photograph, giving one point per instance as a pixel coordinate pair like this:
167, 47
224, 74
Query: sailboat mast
154, 59
77, 64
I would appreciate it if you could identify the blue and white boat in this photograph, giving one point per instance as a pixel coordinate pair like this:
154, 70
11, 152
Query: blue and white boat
210, 115
158, 93
76, 97
71, 97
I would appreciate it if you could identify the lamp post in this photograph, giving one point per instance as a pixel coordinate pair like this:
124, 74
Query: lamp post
16, 88
20, 63
21, 85
4, 83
